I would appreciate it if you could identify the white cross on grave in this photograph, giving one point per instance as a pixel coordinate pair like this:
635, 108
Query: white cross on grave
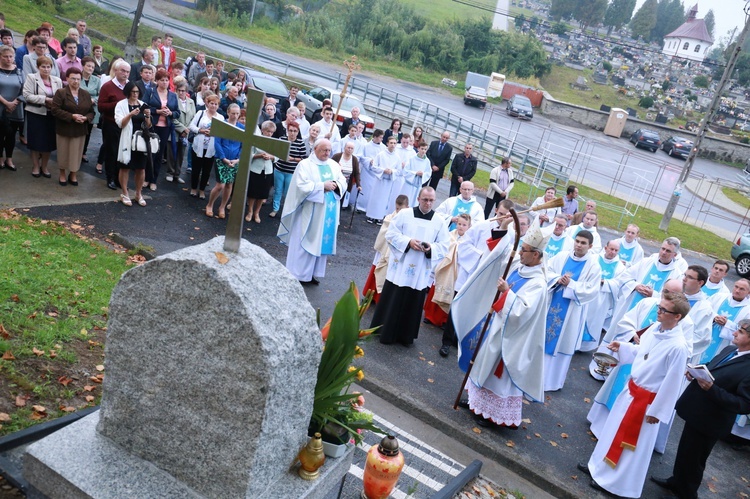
277, 147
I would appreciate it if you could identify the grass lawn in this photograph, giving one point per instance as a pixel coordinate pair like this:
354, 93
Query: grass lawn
53, 315
737, 196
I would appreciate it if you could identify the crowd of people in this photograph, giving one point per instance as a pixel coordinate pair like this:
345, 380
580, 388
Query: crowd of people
566, 290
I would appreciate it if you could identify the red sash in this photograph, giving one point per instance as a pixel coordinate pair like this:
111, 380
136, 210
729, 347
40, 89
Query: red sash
491, 243
630, 427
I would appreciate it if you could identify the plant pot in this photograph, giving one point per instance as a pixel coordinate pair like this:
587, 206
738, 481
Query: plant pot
334, 450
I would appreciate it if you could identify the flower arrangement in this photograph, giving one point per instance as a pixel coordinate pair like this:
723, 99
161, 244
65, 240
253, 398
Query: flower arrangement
337, 413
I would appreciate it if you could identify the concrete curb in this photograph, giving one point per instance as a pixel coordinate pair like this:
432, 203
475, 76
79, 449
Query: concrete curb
123, 241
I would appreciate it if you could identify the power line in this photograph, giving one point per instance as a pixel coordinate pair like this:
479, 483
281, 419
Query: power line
508, 14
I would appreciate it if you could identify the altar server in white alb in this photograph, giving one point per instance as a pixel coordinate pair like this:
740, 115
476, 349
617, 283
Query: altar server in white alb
715, 284
600, 311
621, 458
730, 310
366, 177
510, 361
405, 152
573, 278
310, 220
631, 251
465, 202
416, 172
418, 241
587, 223
384, 167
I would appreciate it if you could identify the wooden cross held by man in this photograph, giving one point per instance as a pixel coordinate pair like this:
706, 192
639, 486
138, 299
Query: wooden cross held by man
277, 147
351, 66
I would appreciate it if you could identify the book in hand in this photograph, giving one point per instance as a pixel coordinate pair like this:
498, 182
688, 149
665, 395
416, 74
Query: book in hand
700, 372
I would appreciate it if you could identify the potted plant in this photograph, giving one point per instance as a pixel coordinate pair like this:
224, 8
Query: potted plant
338, 414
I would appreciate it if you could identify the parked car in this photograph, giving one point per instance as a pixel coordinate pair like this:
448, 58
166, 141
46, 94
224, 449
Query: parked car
476, 96
648, 139
313, 100
677, 146
741, 255
520, 105
271, 85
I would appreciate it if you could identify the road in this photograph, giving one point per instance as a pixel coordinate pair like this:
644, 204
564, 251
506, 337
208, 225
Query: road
594, 159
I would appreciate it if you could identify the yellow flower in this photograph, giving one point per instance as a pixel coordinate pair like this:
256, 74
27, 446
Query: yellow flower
358, 352
352, 369
360, 375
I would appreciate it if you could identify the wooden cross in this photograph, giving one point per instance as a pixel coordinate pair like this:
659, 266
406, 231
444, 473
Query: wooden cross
351, 66
277, 147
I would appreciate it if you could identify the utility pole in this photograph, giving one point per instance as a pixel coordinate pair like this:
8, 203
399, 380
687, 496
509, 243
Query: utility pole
728, 70
131, 44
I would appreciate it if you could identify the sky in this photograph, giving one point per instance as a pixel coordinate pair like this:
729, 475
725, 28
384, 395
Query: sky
728, 14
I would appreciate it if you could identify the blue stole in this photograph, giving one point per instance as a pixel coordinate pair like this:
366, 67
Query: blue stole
710, 291
654, 277
713, 347
331, 207
626, 254
470, 342
623, 373
554, 247
608, 269
558, 307
461, 207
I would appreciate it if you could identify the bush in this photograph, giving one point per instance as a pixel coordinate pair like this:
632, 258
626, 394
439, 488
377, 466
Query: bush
606, 66
700, 81
745, 140
646, 102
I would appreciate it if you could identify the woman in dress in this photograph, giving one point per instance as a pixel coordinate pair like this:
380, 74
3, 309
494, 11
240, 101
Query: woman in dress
131, 115
90, 83
261, 175
11, 99
164, 109
282, 173
417, 137
227, 156
203, 146
393, 131
38, 90
73, 110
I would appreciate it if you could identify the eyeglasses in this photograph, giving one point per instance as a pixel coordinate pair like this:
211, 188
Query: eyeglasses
663, 310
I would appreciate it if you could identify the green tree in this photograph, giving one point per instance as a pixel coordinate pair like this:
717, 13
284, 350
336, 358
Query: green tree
559, 28
710, 21
562, 9
666, 85
644, 20
618, 14
646, 102
701, 81
589, 12
606, 66
670, 15
520, 19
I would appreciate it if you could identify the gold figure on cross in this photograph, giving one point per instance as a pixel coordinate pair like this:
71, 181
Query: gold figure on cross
277, 147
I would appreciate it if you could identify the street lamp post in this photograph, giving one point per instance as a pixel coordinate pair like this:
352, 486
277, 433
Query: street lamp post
664, 224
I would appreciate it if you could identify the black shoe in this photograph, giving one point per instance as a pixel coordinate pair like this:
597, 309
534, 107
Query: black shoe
314, 281
463, 403
46, 175
661, 482
427, 321
37, 175
370, 221
112, 186
598, 487
584, 467
444, 350
62, 182
74, 184
481, 421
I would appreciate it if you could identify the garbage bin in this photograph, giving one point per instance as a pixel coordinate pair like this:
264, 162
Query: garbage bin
616, 122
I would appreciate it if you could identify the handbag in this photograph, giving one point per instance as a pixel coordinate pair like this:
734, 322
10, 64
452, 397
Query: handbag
138, 142
191, 134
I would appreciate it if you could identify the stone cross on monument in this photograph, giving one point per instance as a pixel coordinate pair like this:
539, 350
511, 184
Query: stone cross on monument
277, 147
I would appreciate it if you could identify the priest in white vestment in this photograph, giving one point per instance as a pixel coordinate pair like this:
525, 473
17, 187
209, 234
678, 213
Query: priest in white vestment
631, 251
620, 461
600, 310
465, 202
557, 241
510, 361
418, 241
730, 310
574, 278
384, 169
416, 173
715, 284
588, 223
310, 220
367, 178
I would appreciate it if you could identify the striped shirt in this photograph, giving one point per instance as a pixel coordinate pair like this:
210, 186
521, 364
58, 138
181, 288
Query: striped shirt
297, 150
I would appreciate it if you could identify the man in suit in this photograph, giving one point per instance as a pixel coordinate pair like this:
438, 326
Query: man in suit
463, 168
354, 120
709, 410
147, 59
439, 153
292, 101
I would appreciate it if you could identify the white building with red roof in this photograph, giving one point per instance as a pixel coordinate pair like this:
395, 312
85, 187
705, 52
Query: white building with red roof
691, 40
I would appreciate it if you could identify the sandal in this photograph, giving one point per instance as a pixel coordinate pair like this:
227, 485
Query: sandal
141, 201
126, 200
222, 214
99, 169
209, 213
248, 218
201, 196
